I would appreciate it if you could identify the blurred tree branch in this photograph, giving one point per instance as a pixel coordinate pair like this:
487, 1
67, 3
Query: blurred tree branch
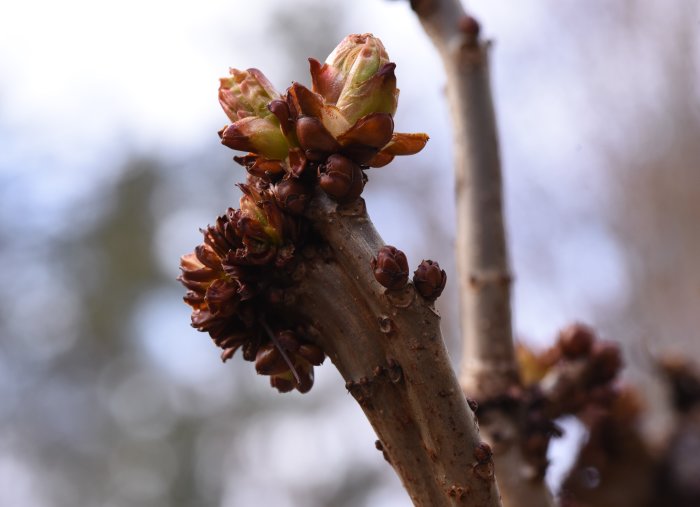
489, 369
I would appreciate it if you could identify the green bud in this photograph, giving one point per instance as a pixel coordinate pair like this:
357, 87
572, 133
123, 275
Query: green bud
357, 78
257, 135
246, 93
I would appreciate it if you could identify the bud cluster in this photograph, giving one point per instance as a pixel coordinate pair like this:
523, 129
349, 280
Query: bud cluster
326, 136
232, 279
577, 376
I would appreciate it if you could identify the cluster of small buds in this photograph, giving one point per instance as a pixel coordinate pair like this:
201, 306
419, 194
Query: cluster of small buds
326, 136
289, 362
233, 279
617, 457
390, 268
575, 377
329, 134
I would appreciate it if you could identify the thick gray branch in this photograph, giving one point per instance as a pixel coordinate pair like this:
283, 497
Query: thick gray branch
388, 347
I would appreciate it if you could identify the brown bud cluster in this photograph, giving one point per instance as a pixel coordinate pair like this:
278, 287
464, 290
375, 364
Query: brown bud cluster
575, 377
289, 362
390, 268
234, 281
238, 279
429, 280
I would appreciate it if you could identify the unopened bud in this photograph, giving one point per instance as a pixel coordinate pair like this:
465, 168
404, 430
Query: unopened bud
606, 362
283, 383
292, 195
314, 139
576, 341
261, 167
390, 267
341, 179
483, 452
429, 280
257, 135
269, 361
288, 340
246, 93
355, 60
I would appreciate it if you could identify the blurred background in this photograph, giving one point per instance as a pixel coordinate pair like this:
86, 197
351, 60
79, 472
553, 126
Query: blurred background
110, 162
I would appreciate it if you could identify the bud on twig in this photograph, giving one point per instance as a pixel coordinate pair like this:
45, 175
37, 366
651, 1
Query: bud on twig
246, 93
341, 179
429, 280
314, 138
391, 268
292, 195
606, 362
576, 341
259, 135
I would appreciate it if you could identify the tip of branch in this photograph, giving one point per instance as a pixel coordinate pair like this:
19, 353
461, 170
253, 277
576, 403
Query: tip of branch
471, 28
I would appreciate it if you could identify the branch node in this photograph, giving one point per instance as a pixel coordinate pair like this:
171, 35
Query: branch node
380, 447
361, 390
402, 298
498, 277
386, 325
458, 492
483, 468
471, 28
395, 371
356, 209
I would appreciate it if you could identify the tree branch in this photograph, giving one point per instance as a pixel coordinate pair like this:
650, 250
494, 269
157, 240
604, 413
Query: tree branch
489, 370
388, 347
489, 367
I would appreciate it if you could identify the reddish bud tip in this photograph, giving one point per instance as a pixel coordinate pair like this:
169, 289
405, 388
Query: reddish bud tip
576, 341
390, 268
429, 280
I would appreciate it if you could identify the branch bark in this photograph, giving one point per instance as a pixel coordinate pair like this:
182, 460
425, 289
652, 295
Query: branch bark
489, 370
388, 347
488, 367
